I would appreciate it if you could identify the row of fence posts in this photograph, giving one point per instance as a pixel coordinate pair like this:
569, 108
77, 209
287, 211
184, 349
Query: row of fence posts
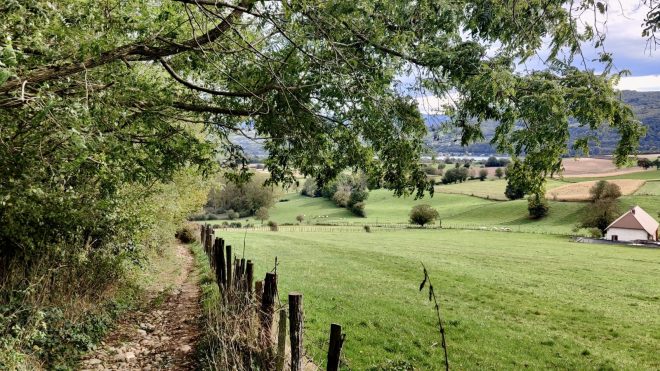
235, 277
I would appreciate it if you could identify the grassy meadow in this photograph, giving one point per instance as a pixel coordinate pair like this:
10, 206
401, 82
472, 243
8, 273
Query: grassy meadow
509, 300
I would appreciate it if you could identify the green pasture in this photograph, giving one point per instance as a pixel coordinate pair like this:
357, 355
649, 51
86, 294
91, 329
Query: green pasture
508, 300
492, 189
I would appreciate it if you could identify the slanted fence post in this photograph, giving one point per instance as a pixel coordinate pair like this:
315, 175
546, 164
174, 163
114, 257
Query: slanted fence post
281, 340
334, 350
296, 330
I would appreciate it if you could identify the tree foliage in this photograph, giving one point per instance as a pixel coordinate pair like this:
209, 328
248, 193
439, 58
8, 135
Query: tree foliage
537, 206
604, 206
423, 214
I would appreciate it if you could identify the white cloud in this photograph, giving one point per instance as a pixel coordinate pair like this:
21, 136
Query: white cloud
432, 105
640, 83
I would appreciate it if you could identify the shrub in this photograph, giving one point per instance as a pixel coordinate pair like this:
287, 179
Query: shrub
232, 215
235, 225
300, 218
595, 233
342, 197
310, 189
358, 209
245, 198
367, 229
272, 225
423, 214
261, 214
186, 234
537, 206
483, 174
499, 173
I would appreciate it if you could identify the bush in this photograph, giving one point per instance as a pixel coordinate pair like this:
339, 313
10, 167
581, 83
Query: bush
537, 206
310, 189
483, 174
235, 225
499, 173
367, 229
272, 225
186, 234
423, 214
300, 218
358, 209
245, 198
595, 233
233, 215
342, 197
261, 214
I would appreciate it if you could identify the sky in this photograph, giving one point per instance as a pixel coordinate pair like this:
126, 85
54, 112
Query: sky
623, 26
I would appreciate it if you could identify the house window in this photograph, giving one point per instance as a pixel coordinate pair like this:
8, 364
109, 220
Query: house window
615, 237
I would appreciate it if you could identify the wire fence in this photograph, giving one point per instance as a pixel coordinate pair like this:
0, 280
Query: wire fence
387, 227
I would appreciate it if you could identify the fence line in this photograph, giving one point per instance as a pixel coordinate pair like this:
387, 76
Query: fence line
339, 227
234, 278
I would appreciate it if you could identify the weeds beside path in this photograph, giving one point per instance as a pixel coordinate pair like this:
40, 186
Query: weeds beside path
162, 334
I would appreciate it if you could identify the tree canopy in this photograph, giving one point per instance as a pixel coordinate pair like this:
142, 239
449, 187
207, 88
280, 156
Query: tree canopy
320, 81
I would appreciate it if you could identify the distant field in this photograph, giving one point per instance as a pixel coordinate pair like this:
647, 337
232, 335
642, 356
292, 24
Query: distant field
643, 175
580, 191
492, 189
509, 300
651, 188
456, 211
594, 167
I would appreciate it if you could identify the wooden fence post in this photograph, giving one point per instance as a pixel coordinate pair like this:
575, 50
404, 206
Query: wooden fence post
228, 287
258, 291
241, 283
281, 341
296, 330
334, 350
249, 276
221, 262
267, 307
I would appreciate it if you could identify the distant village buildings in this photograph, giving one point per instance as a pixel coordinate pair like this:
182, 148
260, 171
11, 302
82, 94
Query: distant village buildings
635, 225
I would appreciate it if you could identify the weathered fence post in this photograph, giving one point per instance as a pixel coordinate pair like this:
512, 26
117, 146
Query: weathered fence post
267, 307
241, 283
281, 341
334, 350
296, 330
249, 277
228, 286
258, 291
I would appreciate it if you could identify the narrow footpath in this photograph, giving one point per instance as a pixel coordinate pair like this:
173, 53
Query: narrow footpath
162, 336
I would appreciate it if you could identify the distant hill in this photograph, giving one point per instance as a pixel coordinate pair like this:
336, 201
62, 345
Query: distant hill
646, 106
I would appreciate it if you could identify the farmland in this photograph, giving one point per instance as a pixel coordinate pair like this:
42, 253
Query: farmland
524, 298
509, 300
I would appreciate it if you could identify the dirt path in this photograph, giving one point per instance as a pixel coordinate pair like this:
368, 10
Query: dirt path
162, 336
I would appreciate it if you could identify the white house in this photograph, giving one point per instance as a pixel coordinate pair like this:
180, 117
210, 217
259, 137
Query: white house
636, 224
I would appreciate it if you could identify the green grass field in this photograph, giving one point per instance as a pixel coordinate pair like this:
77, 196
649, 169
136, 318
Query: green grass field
456, 211
650, 188
509, 300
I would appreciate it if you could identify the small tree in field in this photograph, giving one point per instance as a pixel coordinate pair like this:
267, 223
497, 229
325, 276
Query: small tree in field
483, 174
423, 214
604, 207
645, 163
261, 214
499, 173
537, 206
300, 218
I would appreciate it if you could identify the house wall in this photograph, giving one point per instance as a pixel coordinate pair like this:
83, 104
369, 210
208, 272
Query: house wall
626, 234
